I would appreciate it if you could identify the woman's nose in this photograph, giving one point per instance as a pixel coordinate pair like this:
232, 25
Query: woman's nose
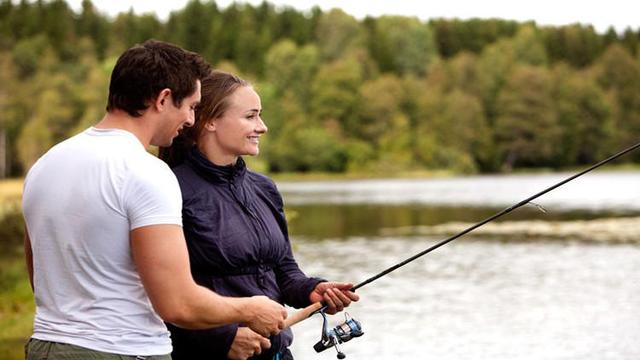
262, 127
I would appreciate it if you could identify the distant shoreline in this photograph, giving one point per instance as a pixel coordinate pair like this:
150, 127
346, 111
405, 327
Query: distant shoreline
625, 230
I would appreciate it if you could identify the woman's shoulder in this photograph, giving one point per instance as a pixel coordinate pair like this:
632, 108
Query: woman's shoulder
265, 183
261, 180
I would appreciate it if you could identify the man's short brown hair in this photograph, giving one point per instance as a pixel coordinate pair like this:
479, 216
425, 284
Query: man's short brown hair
146, 69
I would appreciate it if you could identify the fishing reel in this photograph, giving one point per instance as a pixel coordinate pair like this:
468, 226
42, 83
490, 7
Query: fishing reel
342, 333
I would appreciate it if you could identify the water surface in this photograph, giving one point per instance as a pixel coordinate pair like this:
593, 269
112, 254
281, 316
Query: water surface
480, 299
475, 298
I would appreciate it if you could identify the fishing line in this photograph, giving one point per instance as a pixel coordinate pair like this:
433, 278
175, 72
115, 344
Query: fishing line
350, 328
493, 217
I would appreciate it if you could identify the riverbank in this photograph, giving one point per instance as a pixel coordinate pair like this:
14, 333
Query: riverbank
437, 173
624, 230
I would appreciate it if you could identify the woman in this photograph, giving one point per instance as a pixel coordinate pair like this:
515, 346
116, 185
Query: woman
234, 224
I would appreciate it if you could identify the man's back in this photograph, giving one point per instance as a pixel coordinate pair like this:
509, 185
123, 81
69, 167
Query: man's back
81, 200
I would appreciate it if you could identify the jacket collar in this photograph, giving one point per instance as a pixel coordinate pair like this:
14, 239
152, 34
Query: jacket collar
216, 173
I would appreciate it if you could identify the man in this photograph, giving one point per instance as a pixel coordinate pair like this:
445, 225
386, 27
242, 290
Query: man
104, 242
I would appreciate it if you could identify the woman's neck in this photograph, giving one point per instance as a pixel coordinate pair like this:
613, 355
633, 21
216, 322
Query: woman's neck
216, 157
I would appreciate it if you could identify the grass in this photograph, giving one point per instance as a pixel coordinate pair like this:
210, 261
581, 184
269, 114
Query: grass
10, 189
10, 194
16, 305
16, 299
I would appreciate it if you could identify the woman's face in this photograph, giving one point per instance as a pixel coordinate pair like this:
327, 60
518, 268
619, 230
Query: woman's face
237, 132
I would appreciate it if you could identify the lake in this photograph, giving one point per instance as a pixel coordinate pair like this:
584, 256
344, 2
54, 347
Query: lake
477, 297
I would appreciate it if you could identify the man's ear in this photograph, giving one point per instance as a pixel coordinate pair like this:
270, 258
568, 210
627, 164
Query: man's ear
162, 101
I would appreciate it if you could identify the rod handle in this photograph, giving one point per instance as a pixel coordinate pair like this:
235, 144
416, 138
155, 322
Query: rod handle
302, 314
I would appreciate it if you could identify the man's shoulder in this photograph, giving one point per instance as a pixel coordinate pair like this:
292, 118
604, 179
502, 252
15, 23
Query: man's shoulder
147, 167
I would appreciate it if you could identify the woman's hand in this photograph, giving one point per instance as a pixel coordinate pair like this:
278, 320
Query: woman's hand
336, 295
247, 343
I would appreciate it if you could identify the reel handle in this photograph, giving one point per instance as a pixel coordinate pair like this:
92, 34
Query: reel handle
302, 314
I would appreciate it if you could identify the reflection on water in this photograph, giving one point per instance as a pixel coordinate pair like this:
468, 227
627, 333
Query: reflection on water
473, 298
482, 299
347, 220
341, 209
595, 191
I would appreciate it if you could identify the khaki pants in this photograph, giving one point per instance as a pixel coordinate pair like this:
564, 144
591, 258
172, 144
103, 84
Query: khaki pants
47, 350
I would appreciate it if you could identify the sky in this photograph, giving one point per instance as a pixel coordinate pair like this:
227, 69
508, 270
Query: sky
601, 14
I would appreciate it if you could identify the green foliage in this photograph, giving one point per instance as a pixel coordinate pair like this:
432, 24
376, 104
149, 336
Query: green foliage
27, 53
11, 230
16, 307
338, 34
526, 127
455, 36
576, 44
619, 74
335, 91
402, 45
307, 149
339, 94
584, 115
292, 68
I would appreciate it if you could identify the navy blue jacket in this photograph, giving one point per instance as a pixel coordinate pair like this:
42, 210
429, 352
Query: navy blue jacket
238, 243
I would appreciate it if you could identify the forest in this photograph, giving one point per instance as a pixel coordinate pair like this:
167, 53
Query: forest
379, 95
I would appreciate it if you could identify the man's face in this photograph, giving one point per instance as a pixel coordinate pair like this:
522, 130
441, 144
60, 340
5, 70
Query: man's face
176, 118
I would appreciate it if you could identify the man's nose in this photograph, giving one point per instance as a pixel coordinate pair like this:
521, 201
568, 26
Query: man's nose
190, 120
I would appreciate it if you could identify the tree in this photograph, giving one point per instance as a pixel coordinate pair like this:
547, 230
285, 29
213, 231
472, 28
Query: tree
462, 73
52, 111
94, 26
291, 68
7, 81
404, 45
338, 34
58, 25
453, 132
584, 116
526, 127
302, 146
498, 60
619, 73
576, 44
630, 40
335, 92
381, 99
93, 93
195, 19
473, 35
27, 53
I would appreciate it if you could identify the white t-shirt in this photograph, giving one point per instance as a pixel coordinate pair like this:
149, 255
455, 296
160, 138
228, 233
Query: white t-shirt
80, 201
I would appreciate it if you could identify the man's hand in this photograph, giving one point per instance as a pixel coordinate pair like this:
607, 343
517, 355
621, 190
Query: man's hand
246, 344
266, 316
336, 295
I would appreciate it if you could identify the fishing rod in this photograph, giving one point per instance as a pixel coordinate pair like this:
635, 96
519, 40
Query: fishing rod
351, 328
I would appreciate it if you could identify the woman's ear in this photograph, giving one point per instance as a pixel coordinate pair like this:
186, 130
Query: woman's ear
210, 125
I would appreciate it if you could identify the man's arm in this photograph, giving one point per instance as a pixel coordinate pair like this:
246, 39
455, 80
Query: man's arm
161, 256
28, 254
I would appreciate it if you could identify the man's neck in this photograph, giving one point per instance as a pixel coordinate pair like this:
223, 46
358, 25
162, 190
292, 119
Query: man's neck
138, 126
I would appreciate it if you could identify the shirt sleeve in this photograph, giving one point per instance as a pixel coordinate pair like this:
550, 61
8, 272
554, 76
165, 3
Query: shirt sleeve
152, 196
